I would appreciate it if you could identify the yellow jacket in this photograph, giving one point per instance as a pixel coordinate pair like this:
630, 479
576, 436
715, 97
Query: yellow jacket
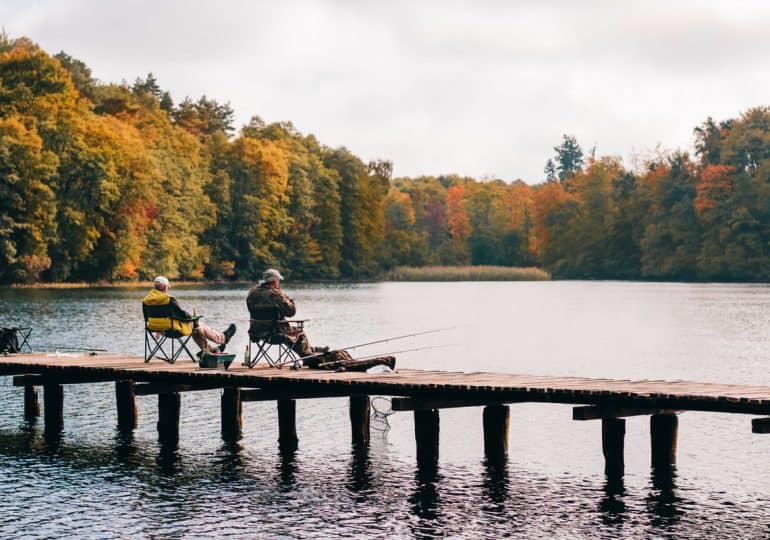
162, 313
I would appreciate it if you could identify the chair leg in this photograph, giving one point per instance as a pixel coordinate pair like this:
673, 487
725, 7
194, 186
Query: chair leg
183, 348
274, 354
157, 349
262, 354
25, 333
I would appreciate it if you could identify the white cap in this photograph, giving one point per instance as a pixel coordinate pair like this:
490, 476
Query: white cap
271, 274
161, 283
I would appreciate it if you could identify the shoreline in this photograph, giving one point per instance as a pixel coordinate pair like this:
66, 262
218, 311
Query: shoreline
177, 284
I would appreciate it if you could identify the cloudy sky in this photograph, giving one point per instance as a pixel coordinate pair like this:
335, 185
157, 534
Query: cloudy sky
483, 88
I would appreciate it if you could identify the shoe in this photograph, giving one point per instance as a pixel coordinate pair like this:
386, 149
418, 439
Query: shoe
320, 349
228, 333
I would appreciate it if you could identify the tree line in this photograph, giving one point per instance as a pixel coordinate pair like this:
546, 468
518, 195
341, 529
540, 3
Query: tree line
104, 181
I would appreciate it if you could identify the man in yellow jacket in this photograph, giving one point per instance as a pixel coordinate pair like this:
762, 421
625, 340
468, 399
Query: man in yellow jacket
183, 322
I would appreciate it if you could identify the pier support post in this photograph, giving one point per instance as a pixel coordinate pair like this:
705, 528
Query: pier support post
496, 419
125, 401
663, 436
169, 405
613, 435
287, 424
31, 404
53, 407
232, 421
360, 410
426, 431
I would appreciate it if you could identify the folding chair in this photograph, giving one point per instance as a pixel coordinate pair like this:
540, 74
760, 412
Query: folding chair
272, 345
24, 333
161, 330
14, 339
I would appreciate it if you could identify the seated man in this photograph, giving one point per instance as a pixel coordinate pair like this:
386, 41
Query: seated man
202, 333
266, 301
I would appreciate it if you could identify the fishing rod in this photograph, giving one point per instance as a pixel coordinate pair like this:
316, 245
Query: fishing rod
342, 362
78, 349
395, 338
406, 351
317, 354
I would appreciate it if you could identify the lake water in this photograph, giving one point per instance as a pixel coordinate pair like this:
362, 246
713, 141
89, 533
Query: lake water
94, 482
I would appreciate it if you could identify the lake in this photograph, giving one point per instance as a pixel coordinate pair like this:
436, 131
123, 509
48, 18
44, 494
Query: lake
95, 482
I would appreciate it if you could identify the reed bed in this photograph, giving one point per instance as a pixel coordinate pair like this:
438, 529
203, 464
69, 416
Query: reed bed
467, 273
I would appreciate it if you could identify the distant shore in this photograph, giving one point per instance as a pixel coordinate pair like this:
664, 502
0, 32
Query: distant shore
401, 273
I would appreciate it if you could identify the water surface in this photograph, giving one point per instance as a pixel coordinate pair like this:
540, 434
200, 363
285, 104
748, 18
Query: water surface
93, 481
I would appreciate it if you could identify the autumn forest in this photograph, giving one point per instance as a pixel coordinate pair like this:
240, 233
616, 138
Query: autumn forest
104, 181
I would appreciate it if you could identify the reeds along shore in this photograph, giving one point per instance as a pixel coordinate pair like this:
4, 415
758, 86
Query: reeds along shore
468, 273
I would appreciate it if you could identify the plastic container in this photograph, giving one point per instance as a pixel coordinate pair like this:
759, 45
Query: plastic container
210, 360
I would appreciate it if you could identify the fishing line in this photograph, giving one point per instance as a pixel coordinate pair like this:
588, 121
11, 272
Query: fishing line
407, 350
397, 337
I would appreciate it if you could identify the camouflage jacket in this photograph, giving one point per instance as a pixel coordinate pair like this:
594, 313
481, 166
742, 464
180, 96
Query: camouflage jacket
266, 305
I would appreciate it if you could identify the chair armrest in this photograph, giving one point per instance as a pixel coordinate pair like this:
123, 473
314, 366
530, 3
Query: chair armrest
191, 319
296, 320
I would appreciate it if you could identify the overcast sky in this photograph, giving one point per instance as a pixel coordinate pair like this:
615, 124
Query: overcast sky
474, 88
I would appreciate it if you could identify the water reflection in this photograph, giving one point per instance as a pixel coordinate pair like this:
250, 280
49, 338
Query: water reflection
360, 478
287, 467
168, 459
424, 502
52, 436
125, 447
612, 507
230, 461
663, 504
495, 484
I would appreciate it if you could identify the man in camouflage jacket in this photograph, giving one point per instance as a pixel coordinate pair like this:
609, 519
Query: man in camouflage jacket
267, 302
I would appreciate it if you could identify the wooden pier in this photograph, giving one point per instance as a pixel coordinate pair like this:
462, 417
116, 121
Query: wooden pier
420, 391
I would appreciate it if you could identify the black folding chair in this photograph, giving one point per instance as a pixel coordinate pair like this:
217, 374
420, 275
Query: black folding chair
272, 345
14, 339
24, 333
157, 338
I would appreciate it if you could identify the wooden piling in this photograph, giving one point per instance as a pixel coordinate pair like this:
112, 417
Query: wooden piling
360, 411
613, 435
496, 420
169, 405
232, 420
31, 404
125, 401
426, 434
53, 407
663, 438
287, 424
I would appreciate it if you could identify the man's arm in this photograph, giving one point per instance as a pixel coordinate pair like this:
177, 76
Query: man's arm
177, 310
285, 304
